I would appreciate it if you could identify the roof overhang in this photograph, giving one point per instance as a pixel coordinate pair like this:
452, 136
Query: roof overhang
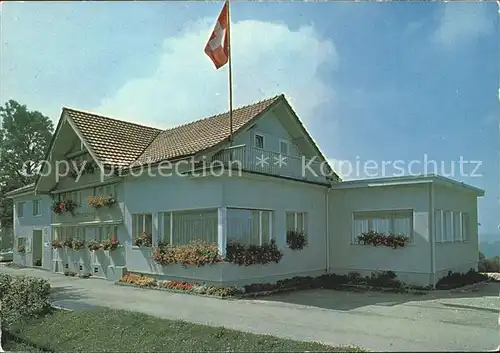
409, 180
22, 191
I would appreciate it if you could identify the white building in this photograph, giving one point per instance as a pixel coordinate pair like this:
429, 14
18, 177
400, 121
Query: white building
285, 183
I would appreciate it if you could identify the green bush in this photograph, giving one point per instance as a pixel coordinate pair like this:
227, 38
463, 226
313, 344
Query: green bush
22, 298
489, 265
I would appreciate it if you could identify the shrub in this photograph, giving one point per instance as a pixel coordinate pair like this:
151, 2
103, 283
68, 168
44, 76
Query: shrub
23, 298
455, 279
77, 244
145, 240
21, 249
296, 239
383, 279
196, 253
110, 244
57, 244
94, 245
375, 238
253, 254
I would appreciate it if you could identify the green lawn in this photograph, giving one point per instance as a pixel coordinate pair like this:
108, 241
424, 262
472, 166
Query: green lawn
105, 330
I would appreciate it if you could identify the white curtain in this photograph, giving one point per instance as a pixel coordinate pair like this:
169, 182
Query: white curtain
360, 226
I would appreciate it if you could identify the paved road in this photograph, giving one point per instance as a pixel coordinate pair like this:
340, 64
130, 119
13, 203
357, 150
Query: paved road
449, 321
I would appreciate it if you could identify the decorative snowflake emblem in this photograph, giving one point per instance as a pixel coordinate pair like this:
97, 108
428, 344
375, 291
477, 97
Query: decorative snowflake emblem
262, 161
280, 161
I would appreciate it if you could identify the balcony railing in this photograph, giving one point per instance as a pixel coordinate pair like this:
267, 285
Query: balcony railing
253, 159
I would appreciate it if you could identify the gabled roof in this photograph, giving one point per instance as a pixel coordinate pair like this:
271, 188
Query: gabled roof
120, 143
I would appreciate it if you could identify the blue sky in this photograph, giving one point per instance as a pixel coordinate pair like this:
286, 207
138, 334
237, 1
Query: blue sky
372, 81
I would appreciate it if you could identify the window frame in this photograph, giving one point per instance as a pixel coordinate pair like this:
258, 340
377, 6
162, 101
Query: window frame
141, 229
38, 203
448, 233
288, 147
20, 207
271, 220
171, 217
256, 135
296, 215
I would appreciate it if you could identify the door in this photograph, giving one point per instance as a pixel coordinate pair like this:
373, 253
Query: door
47, 248
37, 247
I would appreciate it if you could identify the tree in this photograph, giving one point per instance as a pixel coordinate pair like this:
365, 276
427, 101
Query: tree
24, 138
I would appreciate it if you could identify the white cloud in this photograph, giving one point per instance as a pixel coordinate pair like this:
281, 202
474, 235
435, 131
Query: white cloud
462, 22
268, 59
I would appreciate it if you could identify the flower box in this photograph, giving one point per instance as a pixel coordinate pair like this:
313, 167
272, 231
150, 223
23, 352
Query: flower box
101, 201
380, 239
58, 207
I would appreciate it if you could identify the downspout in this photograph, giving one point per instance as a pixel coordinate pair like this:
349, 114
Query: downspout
327, 229
432, 238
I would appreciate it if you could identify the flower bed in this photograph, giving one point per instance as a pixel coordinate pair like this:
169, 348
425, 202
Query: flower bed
253, 254
296, 239
197, 253
180, 286
380, 281
380, 239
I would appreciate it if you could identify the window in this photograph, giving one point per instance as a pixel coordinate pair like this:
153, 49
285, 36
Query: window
296, 221
106, 232
142, 223
438, 229
457, 228
182, 227
259, 141
20, 209
284, 147
249, 227
36, 208
465, 227
447, 226
387, 222
21, 242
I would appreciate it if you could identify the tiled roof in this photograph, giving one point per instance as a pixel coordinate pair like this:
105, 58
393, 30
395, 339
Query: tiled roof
121, 143
115, 142
201, 134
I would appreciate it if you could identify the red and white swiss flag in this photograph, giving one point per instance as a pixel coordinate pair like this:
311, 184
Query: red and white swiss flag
217, 47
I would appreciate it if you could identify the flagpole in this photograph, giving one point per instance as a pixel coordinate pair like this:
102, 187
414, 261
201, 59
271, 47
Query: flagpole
230, 74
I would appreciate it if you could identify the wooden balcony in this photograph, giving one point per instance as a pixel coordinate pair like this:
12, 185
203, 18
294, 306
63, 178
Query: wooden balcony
256, 160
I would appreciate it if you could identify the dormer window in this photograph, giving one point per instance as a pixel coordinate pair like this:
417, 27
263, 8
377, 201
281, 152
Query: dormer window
259, 141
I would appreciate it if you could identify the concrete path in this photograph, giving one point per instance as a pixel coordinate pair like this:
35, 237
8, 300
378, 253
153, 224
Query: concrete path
449, 321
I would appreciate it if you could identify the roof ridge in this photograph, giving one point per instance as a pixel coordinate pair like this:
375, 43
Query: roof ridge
223, 113
110, 118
